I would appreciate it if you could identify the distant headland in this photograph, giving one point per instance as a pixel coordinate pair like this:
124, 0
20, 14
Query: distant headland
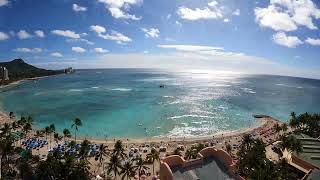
17, 70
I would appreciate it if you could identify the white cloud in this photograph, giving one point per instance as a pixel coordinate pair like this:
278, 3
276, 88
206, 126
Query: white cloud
226, 20
196, 14
22, 34
151, 33
4, 2
119, 14
4, 36
213, 3
116, 36
289, 41
56, 54
39, 33
180, 47
98, 29
78, 49
80, 40
100, 50
212, 11
78, 8
287, 15
236, 12
113, 36
117, 8
314, 42
28, 50
66, 33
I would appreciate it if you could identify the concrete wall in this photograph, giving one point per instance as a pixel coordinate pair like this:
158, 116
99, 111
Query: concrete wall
165, 171
175, 160
219, 154
304, 164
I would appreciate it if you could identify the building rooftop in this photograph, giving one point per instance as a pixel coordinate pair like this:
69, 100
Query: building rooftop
211, 169
310, 150
315, 174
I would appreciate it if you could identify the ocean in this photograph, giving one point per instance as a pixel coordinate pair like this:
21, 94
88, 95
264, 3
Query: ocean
130, 102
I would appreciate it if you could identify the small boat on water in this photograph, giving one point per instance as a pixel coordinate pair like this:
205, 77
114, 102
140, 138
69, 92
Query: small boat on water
161, 86
260, 116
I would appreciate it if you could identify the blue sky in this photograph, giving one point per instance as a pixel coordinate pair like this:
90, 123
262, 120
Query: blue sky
270, 37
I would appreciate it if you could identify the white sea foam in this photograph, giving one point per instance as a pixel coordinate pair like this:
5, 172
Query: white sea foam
221, 85
95, 87
75, 90
285, 85
191, 115
168, 96
199, 122
188, 131
248, 90
121, 89
155, 79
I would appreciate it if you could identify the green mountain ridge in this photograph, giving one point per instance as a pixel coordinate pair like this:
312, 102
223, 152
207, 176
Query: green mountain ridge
18, 69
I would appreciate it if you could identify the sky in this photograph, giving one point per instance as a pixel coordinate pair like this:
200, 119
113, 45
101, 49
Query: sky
236, 36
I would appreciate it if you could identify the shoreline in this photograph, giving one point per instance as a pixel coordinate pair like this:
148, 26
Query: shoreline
262, 123
20, 81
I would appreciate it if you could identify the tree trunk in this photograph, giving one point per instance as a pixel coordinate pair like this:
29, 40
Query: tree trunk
139, 170
50, 141
75, 136
1, 166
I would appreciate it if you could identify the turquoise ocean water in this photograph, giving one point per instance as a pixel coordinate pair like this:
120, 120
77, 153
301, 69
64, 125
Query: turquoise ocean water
129, 102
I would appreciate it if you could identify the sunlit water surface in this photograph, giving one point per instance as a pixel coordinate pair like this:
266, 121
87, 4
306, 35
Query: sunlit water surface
129, 102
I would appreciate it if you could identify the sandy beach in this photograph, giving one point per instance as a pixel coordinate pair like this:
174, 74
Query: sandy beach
218, 140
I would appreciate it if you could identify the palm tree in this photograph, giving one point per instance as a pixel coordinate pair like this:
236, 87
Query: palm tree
22, 121
189, 154
6, 129
284, 127
228, 148
66, 133
293, 120
247, 140
56, 137
291, 143
6, 148
47, 131
37, 135
29, 120
84, 149
11, 115
277, 128
114, 165
155, 156
141, 165
76, 123
52, 129
103, 152
27, 127
127, 170
177, 151
119, 150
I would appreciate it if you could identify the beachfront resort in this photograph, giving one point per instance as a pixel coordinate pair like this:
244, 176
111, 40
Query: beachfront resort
272, 150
